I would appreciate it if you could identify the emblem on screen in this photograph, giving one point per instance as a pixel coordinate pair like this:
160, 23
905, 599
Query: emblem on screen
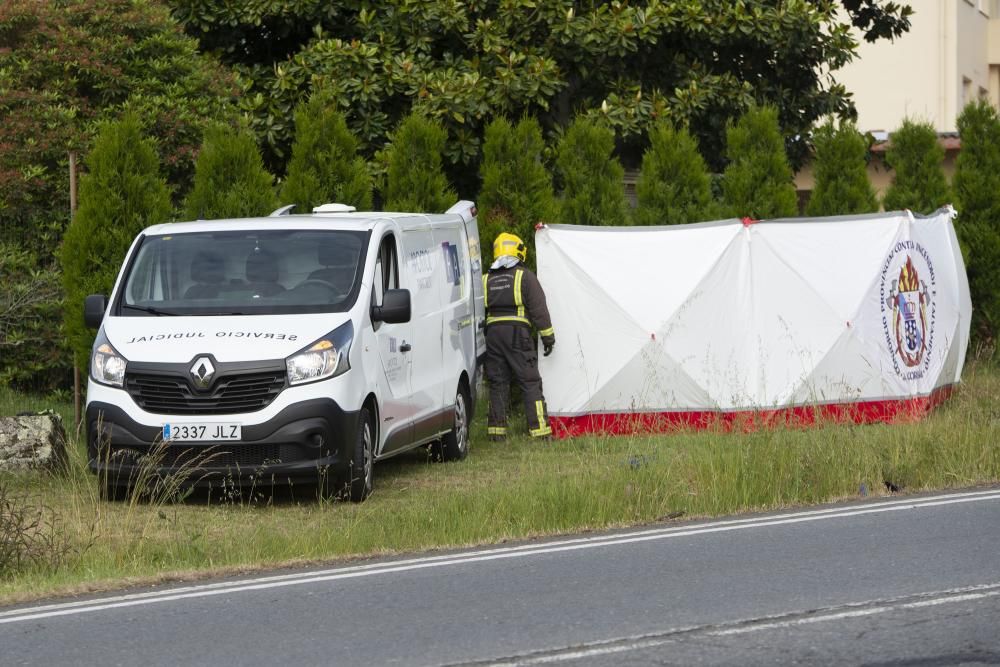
908, 308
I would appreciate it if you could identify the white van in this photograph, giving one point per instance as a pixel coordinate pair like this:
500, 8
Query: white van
289, 348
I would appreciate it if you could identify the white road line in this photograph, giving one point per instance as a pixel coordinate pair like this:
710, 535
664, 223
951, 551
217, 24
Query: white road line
628, 644
557, 546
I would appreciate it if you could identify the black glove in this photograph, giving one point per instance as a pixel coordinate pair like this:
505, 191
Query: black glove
548, 342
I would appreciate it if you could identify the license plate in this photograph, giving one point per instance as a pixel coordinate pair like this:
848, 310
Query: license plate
213, 432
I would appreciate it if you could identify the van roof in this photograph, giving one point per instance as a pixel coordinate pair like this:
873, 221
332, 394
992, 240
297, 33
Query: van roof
362, 221
336, 216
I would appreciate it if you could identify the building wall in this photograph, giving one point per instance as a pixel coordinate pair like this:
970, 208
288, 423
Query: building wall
949, 57
929, 73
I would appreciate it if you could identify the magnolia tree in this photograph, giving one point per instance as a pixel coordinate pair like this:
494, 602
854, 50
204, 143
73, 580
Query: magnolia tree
699, 63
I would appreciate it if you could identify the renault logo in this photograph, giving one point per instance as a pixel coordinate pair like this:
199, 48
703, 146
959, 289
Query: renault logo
202, 372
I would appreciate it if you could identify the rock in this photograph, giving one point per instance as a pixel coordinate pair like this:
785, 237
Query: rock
29, 442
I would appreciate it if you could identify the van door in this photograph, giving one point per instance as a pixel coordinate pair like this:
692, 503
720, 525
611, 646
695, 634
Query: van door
394, 340
475, 262
423, 276
457, 307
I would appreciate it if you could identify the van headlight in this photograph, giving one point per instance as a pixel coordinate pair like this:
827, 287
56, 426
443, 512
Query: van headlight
325, 358
106, 365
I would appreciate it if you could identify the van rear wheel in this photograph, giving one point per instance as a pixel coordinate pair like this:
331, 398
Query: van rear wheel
358, 477
454, 445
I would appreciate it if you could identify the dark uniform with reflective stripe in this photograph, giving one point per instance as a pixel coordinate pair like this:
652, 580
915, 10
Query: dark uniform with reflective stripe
514, 303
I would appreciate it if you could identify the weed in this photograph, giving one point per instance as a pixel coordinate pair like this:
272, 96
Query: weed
31, 536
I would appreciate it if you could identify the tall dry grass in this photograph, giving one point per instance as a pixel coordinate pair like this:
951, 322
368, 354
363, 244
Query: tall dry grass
513, 490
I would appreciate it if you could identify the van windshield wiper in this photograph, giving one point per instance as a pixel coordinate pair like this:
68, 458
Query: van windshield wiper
147, 309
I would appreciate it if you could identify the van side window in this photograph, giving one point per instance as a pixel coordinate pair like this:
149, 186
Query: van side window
386, 271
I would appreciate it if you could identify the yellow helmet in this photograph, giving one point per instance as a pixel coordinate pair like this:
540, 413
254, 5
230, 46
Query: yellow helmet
508, 244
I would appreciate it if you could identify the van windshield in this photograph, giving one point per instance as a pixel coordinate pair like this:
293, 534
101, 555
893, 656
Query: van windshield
256, 272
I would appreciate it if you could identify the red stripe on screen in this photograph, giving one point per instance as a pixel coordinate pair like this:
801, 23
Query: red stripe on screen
860, 412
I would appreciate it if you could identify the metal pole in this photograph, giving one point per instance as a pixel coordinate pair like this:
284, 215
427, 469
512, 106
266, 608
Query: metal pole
76, 370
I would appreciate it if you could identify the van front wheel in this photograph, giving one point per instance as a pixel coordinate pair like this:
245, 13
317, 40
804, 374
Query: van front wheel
359, 475
454, 445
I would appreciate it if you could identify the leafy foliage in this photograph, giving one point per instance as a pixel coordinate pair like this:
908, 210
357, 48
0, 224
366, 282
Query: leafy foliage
758, 181
674, 186
32, 351
33, 536
121, 195
840, 167
517, 188
463, 63
325, 166
65, 64
977, 193
591, 175
229, 178
877, 20
416, 180
918, 181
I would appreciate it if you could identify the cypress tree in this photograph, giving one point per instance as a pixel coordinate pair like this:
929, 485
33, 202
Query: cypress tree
757, 183
592, 177
517, 189
415, 178
121, 194
977, 194
842, 184
325, 166
229, 177
918, 181
674, 185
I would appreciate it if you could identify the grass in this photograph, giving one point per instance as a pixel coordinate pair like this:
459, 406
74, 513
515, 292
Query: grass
505, 491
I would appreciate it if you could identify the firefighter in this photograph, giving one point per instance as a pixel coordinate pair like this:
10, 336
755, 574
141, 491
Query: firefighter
515, 303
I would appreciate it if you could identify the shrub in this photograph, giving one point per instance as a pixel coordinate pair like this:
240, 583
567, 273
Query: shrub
32, 349
593, 186
977, 194
31, 536
840, 167
229, 177
757, 183
415, 180
122, 194
67, 64
674, 185
517, 188
918, 181
325, 166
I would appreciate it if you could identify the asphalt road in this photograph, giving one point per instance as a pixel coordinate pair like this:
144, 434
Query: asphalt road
891, 582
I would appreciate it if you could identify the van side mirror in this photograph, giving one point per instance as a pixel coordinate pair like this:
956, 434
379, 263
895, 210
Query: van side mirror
93, 310
395, 307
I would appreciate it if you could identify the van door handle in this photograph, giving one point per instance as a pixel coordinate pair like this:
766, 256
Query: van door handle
405, 347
